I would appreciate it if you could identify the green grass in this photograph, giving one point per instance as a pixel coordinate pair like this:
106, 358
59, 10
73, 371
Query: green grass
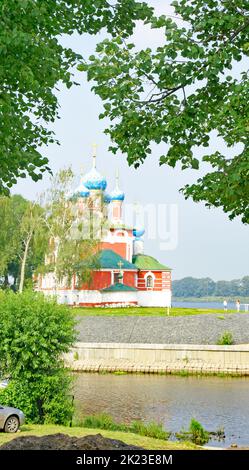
226, 339
144, 311
105, 421
128, 438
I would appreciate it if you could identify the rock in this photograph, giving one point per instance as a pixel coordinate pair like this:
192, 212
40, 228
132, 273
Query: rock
65, 442
234, 445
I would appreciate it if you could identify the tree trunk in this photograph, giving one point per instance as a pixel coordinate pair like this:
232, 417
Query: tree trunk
6, 281
24, 260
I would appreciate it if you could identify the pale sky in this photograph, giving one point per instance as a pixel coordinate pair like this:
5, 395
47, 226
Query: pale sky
209, 245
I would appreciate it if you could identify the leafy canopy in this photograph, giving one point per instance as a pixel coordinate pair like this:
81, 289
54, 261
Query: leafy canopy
22, 221
33, 62
12, 211
193, 86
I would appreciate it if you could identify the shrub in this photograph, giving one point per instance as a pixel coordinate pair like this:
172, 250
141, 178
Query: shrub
34, 333
226, 339
42, 399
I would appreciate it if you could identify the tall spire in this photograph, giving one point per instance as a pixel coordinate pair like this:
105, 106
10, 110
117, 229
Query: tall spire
94, 155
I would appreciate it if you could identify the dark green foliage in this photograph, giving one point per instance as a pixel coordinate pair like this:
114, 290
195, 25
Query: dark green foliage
43, 398
34, 333
33, 61
12, 211
194, 86
22, 221
226, 339
205, 287
197, 433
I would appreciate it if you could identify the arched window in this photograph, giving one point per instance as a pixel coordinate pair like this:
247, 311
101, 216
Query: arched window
149, 281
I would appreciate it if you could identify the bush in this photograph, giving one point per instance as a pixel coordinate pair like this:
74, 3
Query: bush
43, 399
226, 339
34, 332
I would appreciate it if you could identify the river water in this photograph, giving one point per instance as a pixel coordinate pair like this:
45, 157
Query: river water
205, 304
171, 400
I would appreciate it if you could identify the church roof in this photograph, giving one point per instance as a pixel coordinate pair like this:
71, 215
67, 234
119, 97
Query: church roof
108, 259
146, 262
119, 287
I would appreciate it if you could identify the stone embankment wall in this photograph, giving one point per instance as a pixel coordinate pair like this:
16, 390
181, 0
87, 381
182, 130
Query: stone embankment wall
159, 358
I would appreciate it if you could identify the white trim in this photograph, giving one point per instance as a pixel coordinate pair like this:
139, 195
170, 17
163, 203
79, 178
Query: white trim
129, 250
149, 273
157, 270
112, 237
122, 232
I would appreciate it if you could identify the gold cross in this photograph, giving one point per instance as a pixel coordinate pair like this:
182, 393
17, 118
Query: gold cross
120, 263
94, 155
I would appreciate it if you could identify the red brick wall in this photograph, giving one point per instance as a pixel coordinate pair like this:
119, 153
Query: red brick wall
100, 280
129, 278
119, 248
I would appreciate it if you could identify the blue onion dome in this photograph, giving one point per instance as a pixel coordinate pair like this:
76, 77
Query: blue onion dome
107, 198
94, 180
117, 195
81, 191
138, 232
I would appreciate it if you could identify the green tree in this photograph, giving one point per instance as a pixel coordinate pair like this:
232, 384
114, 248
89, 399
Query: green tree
23, 239
244, 286
11, 214
33, 61
34, 238
193, 86
34, 333
191, 287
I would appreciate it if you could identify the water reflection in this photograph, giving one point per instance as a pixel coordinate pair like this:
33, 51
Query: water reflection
215, 402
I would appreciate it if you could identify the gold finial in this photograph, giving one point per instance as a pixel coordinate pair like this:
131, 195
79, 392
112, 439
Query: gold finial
94, 155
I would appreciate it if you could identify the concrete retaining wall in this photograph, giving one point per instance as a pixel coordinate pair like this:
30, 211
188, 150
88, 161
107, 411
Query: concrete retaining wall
157, 358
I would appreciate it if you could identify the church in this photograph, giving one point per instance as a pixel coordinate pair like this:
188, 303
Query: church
125, 275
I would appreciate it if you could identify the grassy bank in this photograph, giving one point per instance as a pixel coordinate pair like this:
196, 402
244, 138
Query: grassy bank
144, 311
128, 438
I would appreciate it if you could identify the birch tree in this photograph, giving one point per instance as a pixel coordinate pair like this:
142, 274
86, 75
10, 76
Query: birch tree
71, 251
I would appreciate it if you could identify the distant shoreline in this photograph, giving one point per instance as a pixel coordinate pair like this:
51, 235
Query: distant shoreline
243, 300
